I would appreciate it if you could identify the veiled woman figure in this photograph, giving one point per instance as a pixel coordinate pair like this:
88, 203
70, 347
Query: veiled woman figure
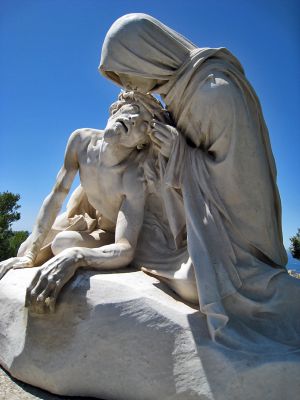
219, 157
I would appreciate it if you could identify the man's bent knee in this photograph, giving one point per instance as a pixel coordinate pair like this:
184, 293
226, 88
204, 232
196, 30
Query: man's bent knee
65, 240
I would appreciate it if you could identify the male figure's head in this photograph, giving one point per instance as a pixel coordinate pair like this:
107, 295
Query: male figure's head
130, 118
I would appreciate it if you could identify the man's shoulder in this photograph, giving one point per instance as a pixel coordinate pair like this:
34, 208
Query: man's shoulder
82, 137
86, 133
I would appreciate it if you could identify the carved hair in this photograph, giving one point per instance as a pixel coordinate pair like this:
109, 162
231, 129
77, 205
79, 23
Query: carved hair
155, 110
149, 103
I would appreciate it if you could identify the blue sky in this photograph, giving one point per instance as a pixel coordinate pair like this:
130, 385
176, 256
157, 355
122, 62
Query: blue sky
50, 85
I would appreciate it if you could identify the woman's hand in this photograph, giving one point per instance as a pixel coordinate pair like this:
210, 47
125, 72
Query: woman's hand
43, 291
163, 136
14, 263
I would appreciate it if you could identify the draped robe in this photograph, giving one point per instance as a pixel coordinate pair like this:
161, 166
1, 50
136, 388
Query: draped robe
223, 164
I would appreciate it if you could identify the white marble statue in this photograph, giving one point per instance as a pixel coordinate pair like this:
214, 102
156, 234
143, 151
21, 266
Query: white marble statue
114, 167
189, 194
220, 159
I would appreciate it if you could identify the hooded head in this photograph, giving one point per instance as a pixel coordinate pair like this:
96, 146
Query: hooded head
140, 52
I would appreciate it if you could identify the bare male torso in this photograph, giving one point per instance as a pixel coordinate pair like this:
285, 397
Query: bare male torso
106, 185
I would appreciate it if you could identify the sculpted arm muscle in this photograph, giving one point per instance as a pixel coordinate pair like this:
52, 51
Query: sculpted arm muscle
49, 209
53, 202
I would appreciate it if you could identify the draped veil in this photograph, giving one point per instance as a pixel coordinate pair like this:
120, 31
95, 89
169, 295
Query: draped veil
226, 172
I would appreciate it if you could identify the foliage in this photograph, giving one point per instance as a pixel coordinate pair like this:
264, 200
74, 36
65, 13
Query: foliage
295, 245
8, 210
10, 241
15, 241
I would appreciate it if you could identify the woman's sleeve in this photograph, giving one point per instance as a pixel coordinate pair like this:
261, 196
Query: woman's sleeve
213, 116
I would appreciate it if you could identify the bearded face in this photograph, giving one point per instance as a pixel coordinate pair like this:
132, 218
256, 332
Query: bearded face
128, 126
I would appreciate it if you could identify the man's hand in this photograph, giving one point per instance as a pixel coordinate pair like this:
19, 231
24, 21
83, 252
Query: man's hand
15, 262
43, 291
163, 136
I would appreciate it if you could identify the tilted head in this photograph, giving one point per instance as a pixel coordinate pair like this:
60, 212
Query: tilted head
130, 118
139, 52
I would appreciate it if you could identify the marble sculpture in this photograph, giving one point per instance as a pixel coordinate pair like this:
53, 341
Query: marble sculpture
187, 193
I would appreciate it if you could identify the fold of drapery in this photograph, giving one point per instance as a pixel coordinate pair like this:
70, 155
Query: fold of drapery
223, 267
220, 114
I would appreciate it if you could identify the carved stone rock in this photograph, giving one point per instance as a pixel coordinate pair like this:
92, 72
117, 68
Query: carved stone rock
119, 336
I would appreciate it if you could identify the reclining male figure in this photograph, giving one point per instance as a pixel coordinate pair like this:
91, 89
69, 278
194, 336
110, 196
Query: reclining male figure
111, 174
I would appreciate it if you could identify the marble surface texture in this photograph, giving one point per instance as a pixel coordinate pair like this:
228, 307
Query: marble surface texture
126, 336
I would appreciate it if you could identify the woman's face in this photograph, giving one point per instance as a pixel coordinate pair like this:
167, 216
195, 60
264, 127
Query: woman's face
143, 85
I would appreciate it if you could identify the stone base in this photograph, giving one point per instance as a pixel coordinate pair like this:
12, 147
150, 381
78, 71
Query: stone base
124, 336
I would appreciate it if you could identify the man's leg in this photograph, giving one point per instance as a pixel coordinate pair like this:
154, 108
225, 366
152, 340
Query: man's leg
67, 239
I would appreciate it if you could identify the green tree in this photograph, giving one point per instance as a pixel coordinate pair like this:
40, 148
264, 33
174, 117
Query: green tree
9, 240
295, 245
15, 241
8, 210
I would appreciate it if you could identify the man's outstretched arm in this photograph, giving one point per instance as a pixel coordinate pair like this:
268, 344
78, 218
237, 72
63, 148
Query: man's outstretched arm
48, 282
49, 209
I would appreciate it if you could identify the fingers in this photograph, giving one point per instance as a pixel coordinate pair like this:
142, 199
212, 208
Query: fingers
23, 262
13, 263
47, 291
155, 124
35, 293
167, 130
41, 298
160, 146
35, 279
163, 137
3, 270
161, 133
45, 302
155, 140
161, 142
45, 287
52, 299
6, 265
31, 288
160, 137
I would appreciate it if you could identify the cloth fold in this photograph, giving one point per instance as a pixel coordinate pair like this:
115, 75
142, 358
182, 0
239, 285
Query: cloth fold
223, 168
